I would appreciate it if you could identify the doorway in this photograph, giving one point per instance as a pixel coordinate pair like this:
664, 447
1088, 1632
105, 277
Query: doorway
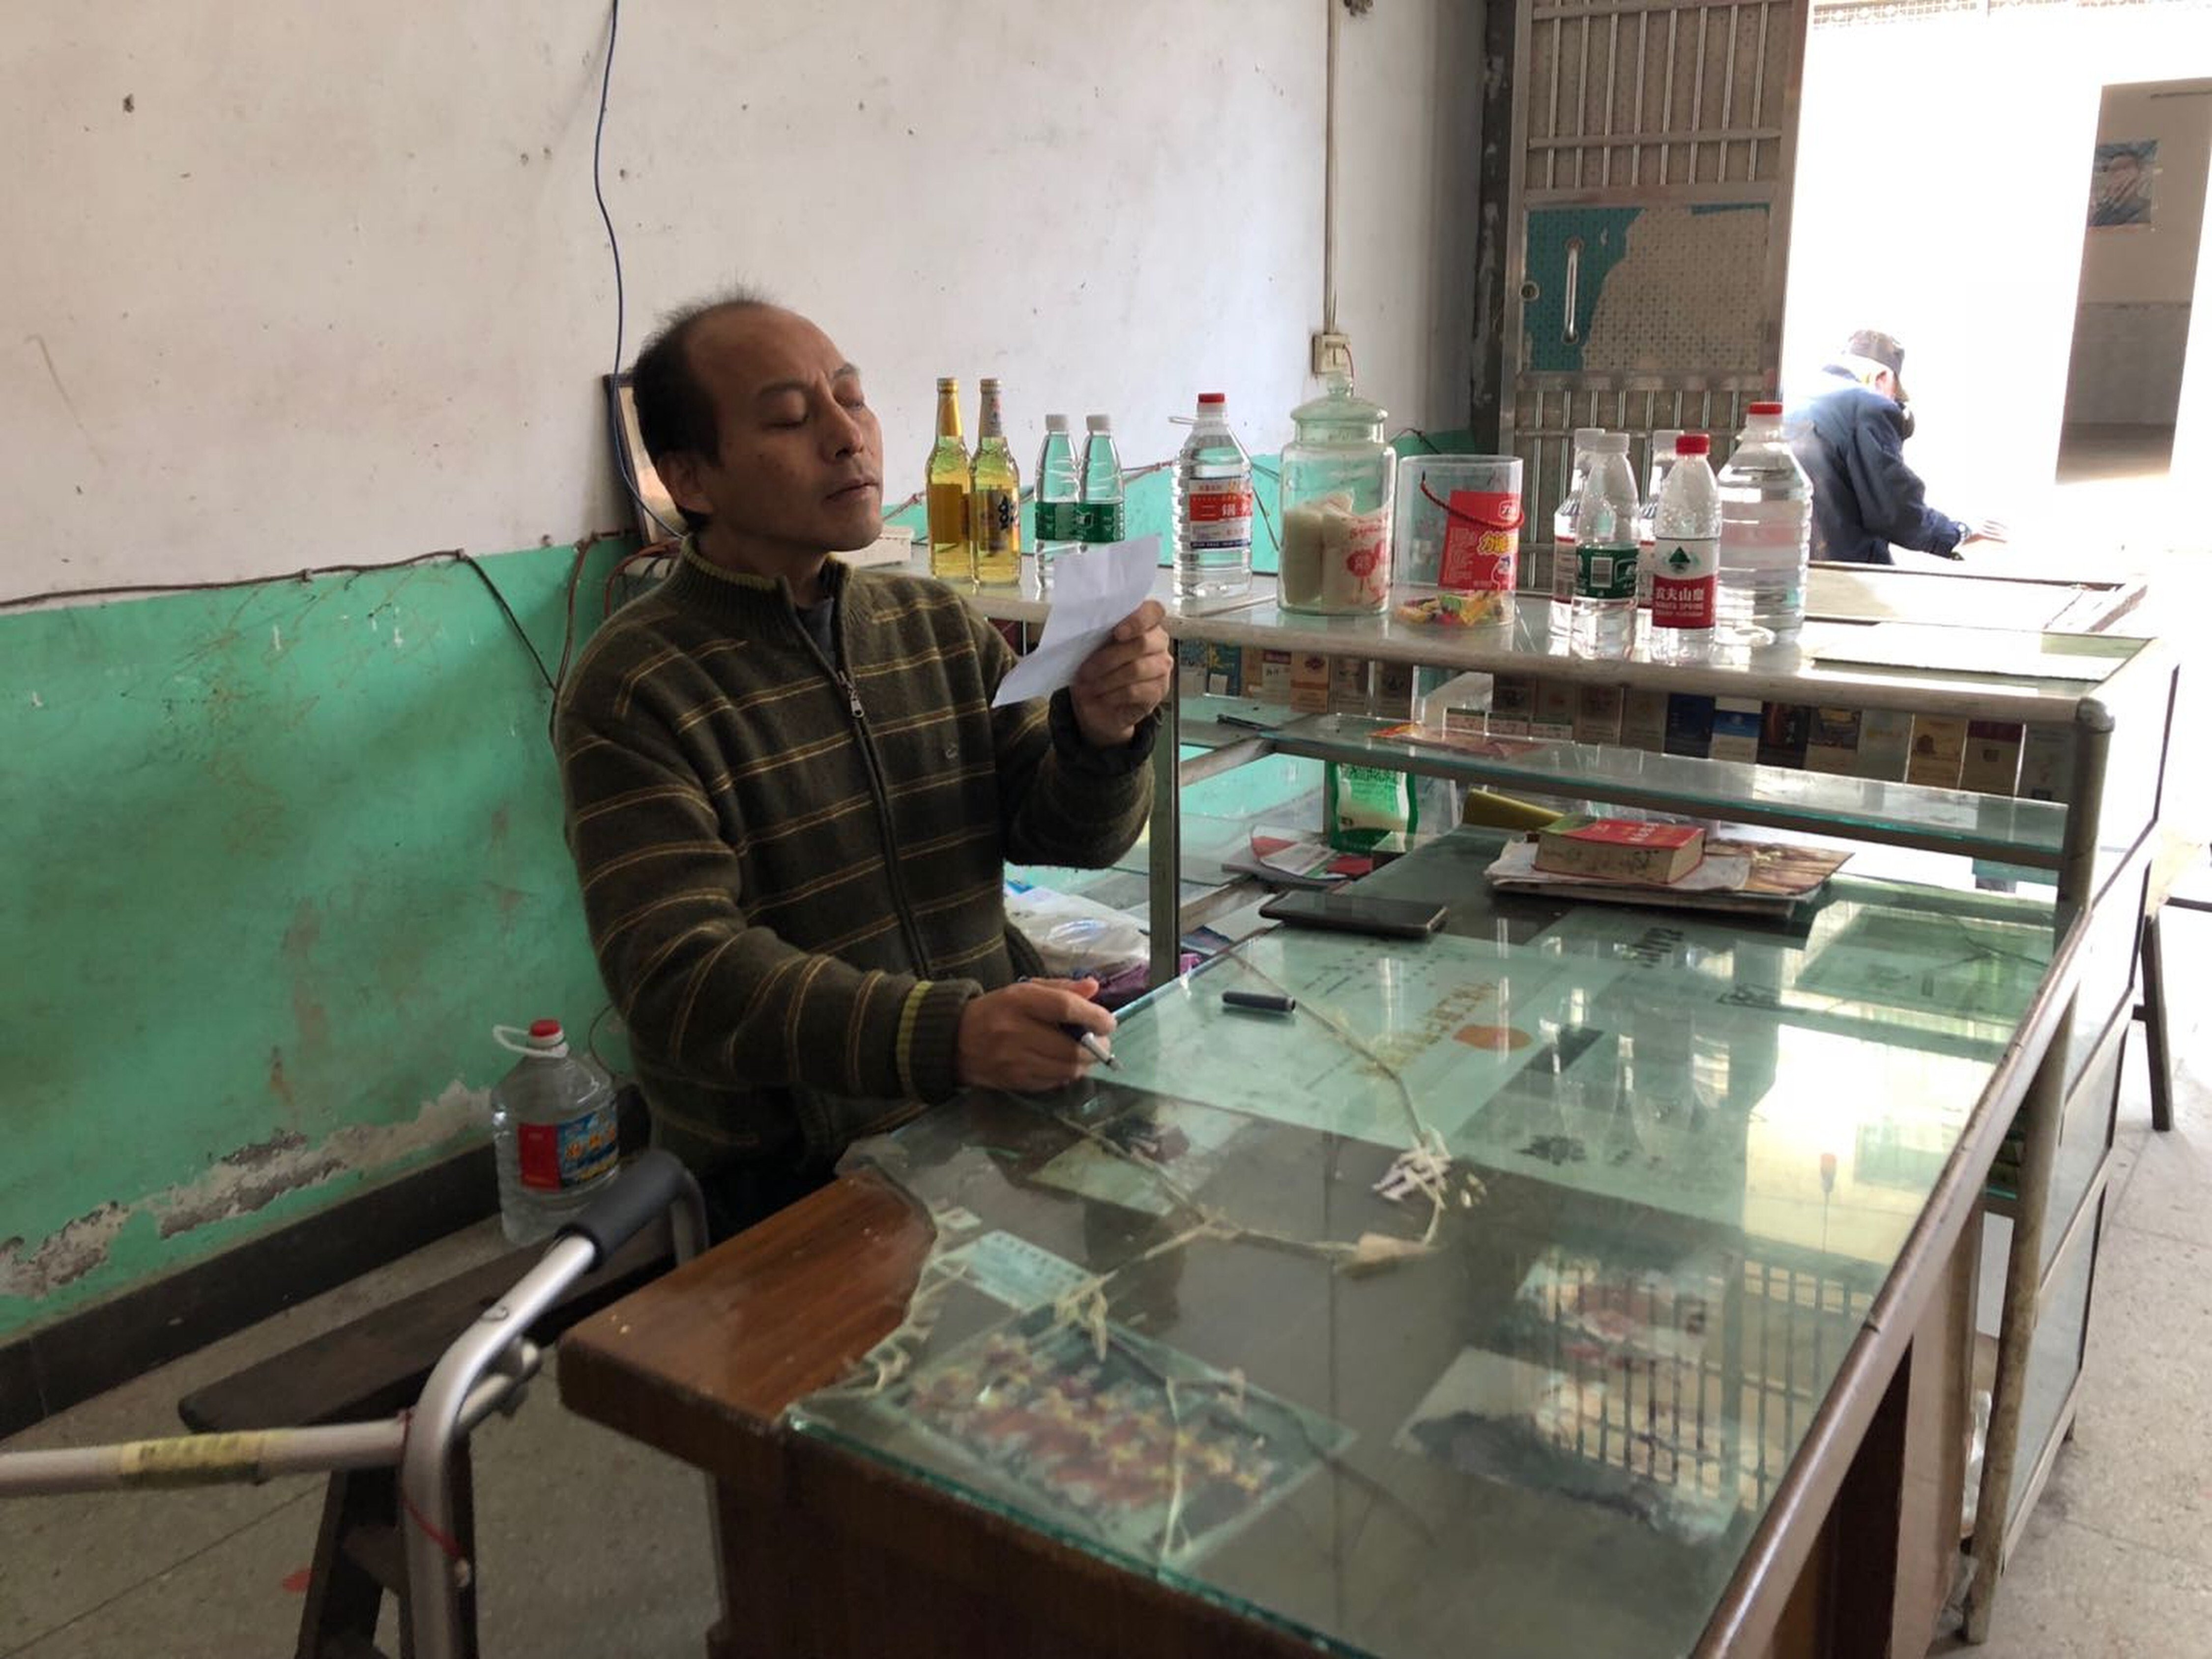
2144, 222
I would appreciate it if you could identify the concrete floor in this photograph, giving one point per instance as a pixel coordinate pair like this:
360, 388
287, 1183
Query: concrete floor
592, 1545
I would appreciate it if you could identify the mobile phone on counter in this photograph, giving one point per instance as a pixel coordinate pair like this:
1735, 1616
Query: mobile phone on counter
1354, 912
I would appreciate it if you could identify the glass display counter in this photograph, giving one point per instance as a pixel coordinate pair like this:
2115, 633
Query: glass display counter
1490, 1293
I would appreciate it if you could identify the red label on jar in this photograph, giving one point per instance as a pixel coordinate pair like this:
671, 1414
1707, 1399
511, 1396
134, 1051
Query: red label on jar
1482, 542
551, 1156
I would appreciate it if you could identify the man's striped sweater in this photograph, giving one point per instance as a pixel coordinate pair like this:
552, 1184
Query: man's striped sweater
793, 865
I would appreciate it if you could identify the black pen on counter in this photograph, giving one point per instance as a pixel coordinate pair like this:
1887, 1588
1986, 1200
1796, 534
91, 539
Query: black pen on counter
1096, 1050
1088, 1042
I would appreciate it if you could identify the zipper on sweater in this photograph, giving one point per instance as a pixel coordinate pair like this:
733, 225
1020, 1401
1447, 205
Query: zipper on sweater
866, 739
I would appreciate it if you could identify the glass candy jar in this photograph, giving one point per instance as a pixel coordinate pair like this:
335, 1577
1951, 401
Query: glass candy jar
1339, 480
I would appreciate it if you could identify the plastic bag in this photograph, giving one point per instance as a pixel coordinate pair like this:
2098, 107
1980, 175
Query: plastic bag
1077, 937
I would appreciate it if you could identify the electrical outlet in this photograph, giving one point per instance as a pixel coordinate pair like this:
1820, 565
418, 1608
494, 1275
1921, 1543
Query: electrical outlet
1332, 354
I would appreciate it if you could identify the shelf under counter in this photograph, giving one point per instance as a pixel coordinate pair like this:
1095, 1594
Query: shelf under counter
2003, 828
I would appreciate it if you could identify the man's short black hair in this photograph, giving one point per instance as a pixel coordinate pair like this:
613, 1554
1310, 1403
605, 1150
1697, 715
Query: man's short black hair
675, 411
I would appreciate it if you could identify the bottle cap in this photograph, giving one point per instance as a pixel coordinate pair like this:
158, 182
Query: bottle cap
1584, 434
1215, 400
1694, 443
543, 1041
1765, 408
1098, 423
1608, 443
988, 383
1056, 423
948, 383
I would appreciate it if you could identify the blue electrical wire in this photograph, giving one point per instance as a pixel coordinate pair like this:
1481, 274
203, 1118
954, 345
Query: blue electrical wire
621, 439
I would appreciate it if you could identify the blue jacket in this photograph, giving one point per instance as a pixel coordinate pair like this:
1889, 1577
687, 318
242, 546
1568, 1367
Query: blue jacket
1850, 442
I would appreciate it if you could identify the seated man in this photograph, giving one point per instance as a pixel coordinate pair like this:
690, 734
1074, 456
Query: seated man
1849, 430
789, 798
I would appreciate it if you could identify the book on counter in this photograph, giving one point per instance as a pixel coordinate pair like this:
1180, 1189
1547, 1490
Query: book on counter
1620, 849
1757, 878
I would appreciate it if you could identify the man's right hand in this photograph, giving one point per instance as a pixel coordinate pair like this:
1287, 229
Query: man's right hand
1989, 529
1014, 1039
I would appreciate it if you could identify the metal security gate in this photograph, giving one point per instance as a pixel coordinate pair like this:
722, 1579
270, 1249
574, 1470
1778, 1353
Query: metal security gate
1647, 229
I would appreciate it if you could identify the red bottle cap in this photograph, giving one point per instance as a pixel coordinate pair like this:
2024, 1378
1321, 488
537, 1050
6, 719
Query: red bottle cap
545, 1029
1213, 397
1694, 443
1765, 408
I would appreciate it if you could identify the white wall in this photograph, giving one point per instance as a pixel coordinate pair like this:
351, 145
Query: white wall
2154, 264
2131, 335
333, 286
1409, 89
1942, 193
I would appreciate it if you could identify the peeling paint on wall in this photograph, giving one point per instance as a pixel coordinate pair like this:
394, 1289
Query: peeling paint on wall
64, 1257
240, 1183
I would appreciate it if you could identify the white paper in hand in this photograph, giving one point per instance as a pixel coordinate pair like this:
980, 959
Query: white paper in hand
1092, 592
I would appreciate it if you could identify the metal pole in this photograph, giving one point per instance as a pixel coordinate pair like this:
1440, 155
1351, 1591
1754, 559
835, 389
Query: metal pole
1165, 864
210, 1460
435, 1576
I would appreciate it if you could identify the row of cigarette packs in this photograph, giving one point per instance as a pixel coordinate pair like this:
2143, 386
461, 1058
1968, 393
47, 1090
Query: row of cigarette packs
1936, 751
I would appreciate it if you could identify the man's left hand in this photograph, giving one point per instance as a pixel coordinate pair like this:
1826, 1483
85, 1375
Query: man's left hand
1124, 680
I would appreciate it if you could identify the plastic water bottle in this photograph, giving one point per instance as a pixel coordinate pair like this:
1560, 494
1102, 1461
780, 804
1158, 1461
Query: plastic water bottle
1767, 534
1058, 495
1563, 531
1605, 552
1685, 553
553, 1132
1212, 507
1100, 513
1662, 462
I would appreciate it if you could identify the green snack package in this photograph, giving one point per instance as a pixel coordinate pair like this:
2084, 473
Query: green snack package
1365, 806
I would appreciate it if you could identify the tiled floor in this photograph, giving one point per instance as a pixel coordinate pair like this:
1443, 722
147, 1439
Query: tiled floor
591, 1546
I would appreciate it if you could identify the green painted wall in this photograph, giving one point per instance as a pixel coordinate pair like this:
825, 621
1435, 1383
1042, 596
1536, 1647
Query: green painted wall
278, 857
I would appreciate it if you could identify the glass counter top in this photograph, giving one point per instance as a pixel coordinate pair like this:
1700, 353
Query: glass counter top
2002, 671
1482, 1302
1975, 674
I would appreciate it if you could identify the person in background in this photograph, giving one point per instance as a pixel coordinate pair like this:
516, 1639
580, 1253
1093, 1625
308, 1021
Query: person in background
1849, 430
790, 801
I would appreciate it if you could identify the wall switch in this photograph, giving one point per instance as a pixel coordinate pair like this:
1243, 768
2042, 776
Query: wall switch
1332, 354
